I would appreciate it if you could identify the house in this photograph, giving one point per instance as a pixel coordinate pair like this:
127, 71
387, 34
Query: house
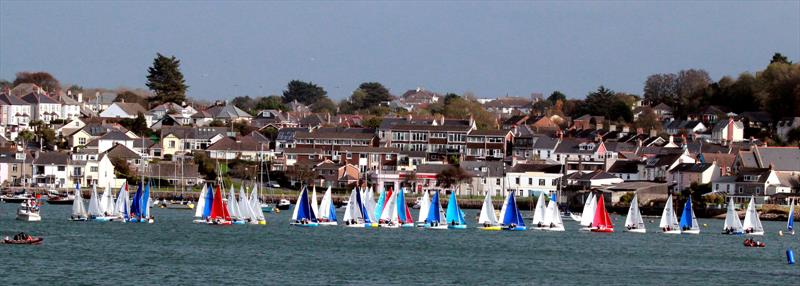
418, 98
663, 112
439, 138
164, 109
726, 132
202, 118
50, 170
122, 152
509, 105
242, 147
581, 155
70, 127
273, 118
537, 124
657, 168
229, 113
533, 179
369, 158
689, 127
43, 107
123, 110
184, 139
627, 170
594, 179
90, 169
488, 144
313, 121
298, 159
285, 138
486, 177
779, 159
101, 101
70, 107
14, 112
686, 174
110, 139
588, 121
756, 182
329, 174
15, 168
785, 125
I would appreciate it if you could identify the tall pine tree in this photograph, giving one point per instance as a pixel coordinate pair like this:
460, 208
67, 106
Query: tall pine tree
166, 80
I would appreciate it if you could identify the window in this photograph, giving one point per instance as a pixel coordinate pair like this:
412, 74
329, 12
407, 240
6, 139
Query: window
362, 155
349, 155
14, 167
517, 180
498, 182
171, 144
388, 156
541, 182
530, 181
94, 169
82, 141
310, 156
61, 168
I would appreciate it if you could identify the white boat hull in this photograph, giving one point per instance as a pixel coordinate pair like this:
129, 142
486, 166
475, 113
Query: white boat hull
328, 223
26, 216
755, 233
676, 231
636, 230
439, 227
586, 228
691, 231
561, 228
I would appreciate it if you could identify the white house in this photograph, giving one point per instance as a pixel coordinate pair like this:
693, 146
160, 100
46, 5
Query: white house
686, 174
123, 110
14, 111
44, 108
725, 132
533, 179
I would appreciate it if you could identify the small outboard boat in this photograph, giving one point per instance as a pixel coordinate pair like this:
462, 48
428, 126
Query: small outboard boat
749, 242
23, 238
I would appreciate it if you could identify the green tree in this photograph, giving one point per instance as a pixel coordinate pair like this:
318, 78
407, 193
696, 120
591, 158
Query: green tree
372, 122
451, 177
244, 103
26, 135
166, 80
779, 58
271, 102
366, 98
136, 125
46, 136
304, 92
324, 104
129, 96
5, 85
648, 120
556, 96
216, 123
205, 165
42, 79
123, 169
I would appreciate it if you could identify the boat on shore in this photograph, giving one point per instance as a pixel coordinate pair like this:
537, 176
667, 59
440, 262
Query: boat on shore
633, 221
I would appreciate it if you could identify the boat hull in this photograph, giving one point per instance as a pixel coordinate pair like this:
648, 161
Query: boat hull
102, 218
755, 233
491, 228
636, 230
677, 231
284, 207
516, 228
32, 241
310, 224
603, 230
575, 217
691, 231
328, 223
559, 228
267, 209
439, 227
26, 216
459, 226
180, 206
59, 202
78, 219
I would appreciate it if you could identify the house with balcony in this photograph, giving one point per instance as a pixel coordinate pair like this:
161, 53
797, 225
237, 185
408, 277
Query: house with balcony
533, 179
488, 144
486, 177
583, 155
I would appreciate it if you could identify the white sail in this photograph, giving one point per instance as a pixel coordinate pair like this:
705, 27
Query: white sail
314, 205
504, 207
350, 210
200, 206
634, 218
550, 212
390, 209
104, 200
752, 223
588, 212
668, 218
233, 206
297, 204
325, 204
146, 201
539, 211
424, 207
94, 205
121, 205
732, 221
246, 211
487, 211
78, 210
255, 204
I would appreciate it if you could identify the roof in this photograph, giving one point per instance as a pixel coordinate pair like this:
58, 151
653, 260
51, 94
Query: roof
545, 142
509, 102
35, 98
51, 158
115, 135
780, 158
337, 133
490, 132
662, 106
7, 99
244, 143
309, 151
572, 146
130, 107
442, 128
720, 126
228, 111
544, 168
484, 168
122, 152
11, 157
433, 168
167, 169
190, 132
692, 167
361, 149
312, 120
624, 167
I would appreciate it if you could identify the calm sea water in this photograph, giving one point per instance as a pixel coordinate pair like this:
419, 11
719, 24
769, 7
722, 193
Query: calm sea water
176, 251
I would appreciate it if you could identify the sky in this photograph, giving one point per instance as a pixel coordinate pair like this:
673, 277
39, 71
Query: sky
491, 49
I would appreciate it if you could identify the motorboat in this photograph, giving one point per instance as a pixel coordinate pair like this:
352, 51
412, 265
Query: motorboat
28, 211
23, 238
284, 204
17, 197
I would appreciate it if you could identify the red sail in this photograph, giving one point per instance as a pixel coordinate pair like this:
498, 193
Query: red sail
218, 207
388, 195
409, 218
601, 218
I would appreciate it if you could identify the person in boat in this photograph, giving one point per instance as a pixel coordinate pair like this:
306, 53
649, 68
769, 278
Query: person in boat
486, 224
552, 225
539, 224
513, 225
22, 236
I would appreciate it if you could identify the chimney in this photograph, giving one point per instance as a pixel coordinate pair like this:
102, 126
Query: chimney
729, 137
69, 92
80, 97
612, 127
653, 133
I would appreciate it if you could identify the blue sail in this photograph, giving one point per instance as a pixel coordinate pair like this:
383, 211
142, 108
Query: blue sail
209, 201
401, 205
686, 216
433, 211
512, 216
454, 213
304, 207
790, 224
379, 205
137, 202
145, 212
361, 207
332, 212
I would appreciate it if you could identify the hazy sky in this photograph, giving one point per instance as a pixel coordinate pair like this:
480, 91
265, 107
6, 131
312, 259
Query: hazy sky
491, 49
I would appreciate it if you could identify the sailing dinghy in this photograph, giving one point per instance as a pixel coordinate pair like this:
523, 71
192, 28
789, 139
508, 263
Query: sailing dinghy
601, 221
552, 217
219, 210
669, 223
512, 218
424, 207
303, 215
588, 213
752, 224
203, 206
633, 221
487, 218
256, 206
78, 210
688, 220
96, 212
121, 207
247, 212
354, 211
327, 215
455, 217
436, 219
733, 225
790, 221
539, 212
404, 217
